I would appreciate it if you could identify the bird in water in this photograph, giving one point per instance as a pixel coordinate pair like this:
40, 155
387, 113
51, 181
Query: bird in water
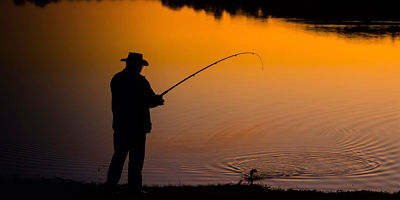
253, 176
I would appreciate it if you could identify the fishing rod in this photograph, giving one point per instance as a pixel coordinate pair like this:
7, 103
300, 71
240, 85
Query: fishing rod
208, 66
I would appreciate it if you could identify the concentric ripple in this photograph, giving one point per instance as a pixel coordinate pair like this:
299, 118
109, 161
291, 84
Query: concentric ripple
303, 164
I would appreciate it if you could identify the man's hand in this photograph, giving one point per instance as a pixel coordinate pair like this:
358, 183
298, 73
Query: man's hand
160, 100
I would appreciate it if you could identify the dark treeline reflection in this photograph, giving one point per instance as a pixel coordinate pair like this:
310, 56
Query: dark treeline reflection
351, 20
287, 9
41, 3
353, 29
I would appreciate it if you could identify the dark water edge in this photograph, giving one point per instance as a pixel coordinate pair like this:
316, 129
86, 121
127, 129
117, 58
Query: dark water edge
40, 3
347, 19
16, 188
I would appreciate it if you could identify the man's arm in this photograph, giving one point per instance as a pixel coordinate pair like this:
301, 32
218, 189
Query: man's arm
154, 99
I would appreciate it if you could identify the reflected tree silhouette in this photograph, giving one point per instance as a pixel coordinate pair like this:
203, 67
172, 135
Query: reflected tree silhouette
353, 29
349, 20
40, 3
364, 21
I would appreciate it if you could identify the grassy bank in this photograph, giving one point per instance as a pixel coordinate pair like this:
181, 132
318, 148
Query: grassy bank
63, 189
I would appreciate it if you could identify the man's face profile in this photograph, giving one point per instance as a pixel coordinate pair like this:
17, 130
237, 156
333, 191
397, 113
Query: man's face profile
135, 66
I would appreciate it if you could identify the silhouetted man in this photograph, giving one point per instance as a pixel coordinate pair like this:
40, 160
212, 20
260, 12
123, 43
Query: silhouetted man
132, 97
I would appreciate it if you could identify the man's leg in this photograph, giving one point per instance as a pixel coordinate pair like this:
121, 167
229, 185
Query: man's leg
118, 159
136, 159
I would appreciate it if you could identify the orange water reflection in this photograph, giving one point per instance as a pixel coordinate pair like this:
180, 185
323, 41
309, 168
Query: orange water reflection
315, 91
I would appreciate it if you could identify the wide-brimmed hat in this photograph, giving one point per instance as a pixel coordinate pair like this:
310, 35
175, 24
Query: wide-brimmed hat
135, 57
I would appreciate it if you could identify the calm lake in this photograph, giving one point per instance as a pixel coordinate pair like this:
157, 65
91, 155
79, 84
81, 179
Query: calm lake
323, 113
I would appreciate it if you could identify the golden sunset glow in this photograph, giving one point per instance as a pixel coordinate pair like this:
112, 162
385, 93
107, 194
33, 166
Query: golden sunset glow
319, 98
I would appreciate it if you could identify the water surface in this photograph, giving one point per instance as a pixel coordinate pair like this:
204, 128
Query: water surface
323, 114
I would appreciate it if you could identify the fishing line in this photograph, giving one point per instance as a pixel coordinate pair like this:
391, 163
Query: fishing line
214, 63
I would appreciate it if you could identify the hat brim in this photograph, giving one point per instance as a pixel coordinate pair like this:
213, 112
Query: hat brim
144, 62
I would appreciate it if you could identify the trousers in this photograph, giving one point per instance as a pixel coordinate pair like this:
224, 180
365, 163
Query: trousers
133, 143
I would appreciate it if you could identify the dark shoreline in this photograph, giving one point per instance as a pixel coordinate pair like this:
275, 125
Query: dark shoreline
348, 20
19, 188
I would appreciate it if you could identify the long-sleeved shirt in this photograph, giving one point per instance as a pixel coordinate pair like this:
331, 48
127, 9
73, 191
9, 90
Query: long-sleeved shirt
132, 98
